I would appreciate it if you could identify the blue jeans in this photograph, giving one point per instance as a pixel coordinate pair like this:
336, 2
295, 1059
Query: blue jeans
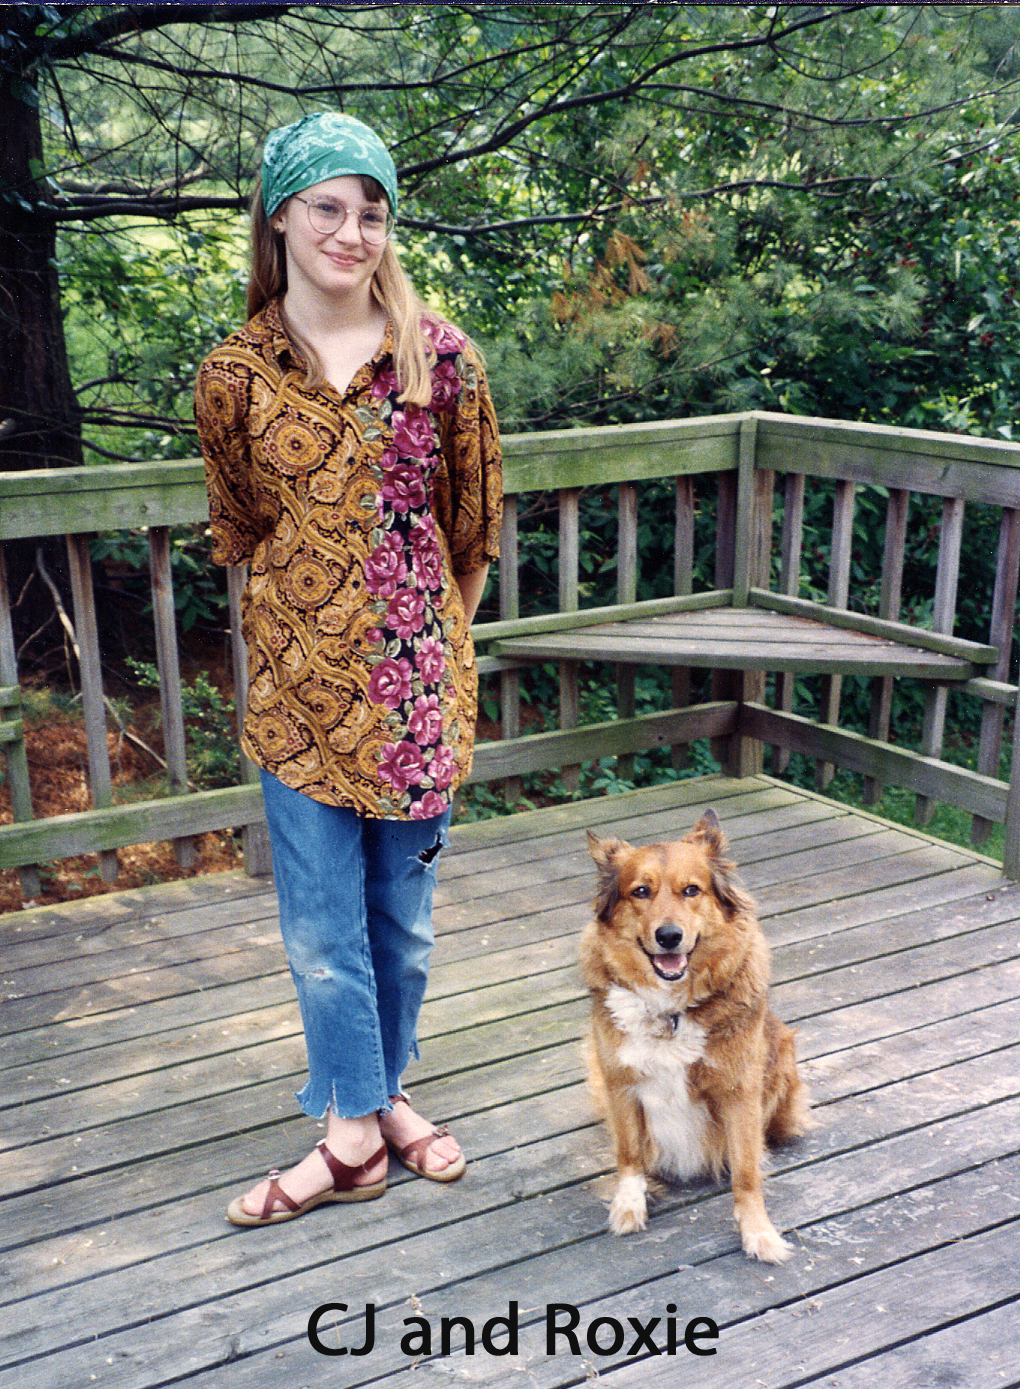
356, 919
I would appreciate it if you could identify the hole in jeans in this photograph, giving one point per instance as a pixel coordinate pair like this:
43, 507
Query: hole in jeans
428, 856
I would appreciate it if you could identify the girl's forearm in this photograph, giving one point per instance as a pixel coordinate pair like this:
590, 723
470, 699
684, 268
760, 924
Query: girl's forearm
471, 588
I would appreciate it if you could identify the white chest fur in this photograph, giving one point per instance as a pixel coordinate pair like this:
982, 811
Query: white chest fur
660, 1047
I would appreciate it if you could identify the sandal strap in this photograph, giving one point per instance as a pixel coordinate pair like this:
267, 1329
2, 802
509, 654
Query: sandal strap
418, 1147
342, 1174
274, 1194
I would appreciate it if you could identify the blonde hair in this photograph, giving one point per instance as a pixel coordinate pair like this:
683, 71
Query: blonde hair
413, 353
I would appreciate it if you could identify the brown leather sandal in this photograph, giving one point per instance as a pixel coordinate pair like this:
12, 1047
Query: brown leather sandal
344, 1188
412, 1155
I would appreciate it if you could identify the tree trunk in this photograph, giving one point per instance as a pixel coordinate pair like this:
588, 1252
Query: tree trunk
39, 424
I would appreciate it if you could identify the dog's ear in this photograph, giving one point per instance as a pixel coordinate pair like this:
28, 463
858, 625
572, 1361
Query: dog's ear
602, 850
606, 853
709, 834
728, 889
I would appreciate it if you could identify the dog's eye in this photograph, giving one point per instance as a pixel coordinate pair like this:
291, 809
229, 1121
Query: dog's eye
691, 890
642, 890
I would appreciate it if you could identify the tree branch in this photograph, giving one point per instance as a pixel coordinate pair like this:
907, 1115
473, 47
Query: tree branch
131, 20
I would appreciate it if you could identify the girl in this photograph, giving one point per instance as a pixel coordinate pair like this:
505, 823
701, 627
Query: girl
352, 461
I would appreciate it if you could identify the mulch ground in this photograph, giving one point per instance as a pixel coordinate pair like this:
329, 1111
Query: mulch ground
58, 768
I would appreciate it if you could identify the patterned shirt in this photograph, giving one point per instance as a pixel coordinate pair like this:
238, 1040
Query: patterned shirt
355, 513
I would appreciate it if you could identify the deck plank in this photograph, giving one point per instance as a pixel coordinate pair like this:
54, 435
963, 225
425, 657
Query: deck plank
146, 1073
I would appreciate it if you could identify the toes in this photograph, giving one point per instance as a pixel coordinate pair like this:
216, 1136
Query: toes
442, 1154
253, 1203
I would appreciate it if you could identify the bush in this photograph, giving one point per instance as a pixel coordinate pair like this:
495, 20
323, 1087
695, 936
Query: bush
214, 758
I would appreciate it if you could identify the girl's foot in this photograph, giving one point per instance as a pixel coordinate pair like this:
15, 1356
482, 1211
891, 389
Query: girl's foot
407, 1133
352, 1141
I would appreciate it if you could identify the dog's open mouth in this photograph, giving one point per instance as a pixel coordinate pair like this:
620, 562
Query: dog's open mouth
670, 967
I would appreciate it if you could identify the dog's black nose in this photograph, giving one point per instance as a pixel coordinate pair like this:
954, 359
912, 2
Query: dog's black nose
668, 937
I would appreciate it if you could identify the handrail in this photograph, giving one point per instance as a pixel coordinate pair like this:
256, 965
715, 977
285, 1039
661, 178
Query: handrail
116, 496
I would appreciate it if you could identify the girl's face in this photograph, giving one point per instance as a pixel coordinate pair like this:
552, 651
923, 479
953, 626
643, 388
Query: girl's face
334, 264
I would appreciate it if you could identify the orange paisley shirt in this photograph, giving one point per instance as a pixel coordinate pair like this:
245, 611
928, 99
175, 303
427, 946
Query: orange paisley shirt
355, 513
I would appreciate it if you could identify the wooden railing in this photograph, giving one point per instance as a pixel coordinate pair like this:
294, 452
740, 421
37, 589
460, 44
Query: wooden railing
751, 470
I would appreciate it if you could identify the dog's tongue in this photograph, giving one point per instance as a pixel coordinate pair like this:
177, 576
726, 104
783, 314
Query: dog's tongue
671, 964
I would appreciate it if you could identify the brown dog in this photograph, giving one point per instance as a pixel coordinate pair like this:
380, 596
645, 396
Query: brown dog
687, 1065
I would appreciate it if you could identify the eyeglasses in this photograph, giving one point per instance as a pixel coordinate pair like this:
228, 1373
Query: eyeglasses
327, 215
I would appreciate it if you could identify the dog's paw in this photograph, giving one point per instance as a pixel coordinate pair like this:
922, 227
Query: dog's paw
629, 1210
766, 1244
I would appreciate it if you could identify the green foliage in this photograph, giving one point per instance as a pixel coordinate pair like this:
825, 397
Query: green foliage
214, 758
641, 211
600, 778
900, 806
142, 310
199, 589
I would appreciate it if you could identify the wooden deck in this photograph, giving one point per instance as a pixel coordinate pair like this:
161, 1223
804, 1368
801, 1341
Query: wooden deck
151, 1046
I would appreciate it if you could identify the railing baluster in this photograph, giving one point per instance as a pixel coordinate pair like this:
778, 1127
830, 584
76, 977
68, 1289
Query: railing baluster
752, 545
897, 510
759, 566
839, 593
169, 666
90, 670
683, 584
626, 592
791, 544
947, 577
569, 563
725, 684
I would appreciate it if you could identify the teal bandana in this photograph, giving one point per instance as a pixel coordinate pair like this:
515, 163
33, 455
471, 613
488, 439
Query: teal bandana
316, 148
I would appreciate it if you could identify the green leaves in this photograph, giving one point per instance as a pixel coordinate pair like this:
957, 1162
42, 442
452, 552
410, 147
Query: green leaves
765, 168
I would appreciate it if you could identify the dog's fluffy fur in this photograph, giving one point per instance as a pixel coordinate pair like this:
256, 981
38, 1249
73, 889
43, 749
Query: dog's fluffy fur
687, 1065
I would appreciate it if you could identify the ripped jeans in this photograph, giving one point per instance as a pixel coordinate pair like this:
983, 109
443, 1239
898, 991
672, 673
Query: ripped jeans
356, 919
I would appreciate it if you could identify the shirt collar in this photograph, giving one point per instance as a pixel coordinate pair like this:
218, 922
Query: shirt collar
276, 335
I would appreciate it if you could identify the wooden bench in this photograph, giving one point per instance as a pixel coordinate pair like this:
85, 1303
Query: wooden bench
767, 634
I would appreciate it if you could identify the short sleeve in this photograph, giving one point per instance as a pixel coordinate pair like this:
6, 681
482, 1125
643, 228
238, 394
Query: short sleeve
221, 413
474, 508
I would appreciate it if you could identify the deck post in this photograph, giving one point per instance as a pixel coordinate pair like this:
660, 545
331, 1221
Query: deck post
1000, 635
91, 677
510, 609
745, 756
1011, 844
947, 577
14, 746
258, 859
897, 511
169, 667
